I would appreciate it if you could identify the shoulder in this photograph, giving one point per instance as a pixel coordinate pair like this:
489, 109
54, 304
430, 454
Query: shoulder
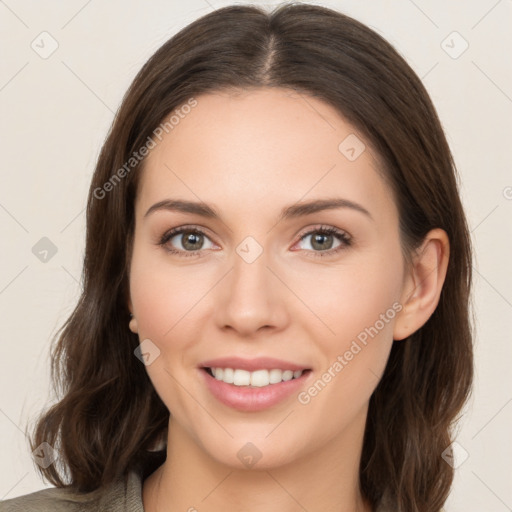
53, 499
122, 495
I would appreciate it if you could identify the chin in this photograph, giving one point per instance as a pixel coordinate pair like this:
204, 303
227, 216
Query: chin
254, 452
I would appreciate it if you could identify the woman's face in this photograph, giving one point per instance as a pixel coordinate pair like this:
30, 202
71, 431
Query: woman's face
259, 287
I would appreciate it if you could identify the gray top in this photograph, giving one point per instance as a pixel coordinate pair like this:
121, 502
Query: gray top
117, 497
123, 495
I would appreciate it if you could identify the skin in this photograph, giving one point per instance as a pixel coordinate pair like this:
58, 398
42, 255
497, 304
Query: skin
249, 155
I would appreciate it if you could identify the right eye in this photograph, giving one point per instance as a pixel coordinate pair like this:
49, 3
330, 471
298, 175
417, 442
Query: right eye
189, 240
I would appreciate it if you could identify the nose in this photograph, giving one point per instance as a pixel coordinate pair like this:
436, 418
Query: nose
251, 298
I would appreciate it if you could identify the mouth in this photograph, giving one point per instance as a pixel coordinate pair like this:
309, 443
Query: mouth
253, 385
255, 379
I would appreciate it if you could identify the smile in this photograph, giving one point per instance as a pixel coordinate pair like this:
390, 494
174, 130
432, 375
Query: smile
257, 379
255, 384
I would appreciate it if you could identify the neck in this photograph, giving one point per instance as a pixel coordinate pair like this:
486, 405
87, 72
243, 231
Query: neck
191, 480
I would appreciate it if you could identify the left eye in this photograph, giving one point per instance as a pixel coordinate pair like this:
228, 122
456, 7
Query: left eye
322, 240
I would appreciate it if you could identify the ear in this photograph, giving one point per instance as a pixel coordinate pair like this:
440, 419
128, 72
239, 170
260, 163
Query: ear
423, 283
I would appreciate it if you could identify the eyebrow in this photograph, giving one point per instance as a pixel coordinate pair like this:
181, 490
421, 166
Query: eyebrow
288, 212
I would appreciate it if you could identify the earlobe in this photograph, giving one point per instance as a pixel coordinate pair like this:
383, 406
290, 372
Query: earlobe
133, 325
423, 284
133, 321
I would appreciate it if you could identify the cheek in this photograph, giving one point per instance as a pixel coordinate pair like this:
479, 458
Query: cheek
161, 293
359, 305
163, 303
355, 299
152, 302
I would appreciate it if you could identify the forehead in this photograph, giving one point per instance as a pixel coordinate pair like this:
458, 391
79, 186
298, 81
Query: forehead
273, 145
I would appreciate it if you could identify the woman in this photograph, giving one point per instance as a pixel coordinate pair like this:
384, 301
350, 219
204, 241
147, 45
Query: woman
276, 281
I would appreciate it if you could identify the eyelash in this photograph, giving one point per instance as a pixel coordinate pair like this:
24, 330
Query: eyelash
343, 237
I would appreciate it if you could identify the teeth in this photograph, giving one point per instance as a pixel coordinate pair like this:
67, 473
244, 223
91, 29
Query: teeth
275, 376
241, 378
229, 375
257, 379
287, 375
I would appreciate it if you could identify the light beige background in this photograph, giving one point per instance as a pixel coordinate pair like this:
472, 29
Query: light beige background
55, 113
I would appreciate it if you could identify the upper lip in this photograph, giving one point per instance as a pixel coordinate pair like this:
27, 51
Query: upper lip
258, 363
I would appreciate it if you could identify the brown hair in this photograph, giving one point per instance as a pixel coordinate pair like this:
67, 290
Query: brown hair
109, 414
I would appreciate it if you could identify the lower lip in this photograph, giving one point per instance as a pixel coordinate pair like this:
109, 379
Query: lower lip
250, 399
